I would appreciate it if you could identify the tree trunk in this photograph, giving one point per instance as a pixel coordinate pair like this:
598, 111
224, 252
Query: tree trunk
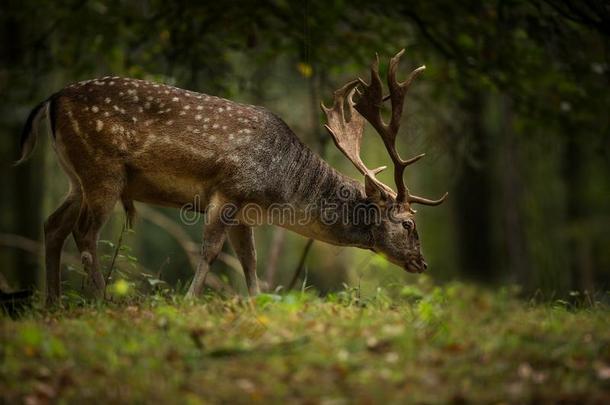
518, 266
578, 247
473, 196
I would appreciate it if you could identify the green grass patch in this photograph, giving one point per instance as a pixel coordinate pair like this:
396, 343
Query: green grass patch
418, 343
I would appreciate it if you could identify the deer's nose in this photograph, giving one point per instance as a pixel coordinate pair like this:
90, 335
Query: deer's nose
424, 265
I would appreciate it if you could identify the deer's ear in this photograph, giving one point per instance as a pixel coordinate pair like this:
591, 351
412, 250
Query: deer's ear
374, 192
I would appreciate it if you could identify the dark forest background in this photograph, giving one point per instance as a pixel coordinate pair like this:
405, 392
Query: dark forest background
512, 111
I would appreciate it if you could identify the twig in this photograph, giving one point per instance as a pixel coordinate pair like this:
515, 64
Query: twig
277, 244
116, 253
304, 285
31, 246
35, 248
299, 269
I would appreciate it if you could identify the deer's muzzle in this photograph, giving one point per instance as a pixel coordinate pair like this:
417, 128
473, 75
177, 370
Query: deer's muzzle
416, 266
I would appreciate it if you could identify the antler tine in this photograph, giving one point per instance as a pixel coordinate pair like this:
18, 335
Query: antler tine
398, 90
426, 201
369, 105
347, 131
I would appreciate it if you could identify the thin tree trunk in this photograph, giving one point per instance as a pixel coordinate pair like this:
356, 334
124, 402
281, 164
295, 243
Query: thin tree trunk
28, 217
473, 196
510, 203
581, 269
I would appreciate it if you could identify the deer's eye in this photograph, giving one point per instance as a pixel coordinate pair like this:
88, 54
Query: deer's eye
408, 224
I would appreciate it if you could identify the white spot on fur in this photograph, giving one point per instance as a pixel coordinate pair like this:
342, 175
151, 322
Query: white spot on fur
198, 117
200, 107
95, 109
107, 100
170, 122
99, 125
175, 99
215, 126
116, 129
187, 107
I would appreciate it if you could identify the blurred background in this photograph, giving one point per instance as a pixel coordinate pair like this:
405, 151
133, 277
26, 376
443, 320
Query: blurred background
512, 112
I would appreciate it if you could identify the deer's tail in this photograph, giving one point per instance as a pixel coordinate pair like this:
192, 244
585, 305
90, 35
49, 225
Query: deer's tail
29, 134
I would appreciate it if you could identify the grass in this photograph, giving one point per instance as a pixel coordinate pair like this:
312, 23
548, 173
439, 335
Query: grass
418, 343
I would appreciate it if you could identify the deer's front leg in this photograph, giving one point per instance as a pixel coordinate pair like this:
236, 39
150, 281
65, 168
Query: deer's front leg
213, 238
242, 240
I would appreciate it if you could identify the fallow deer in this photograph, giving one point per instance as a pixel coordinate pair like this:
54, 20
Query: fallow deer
133, 140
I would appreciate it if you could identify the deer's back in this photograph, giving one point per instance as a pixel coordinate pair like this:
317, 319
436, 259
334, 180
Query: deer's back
174, 143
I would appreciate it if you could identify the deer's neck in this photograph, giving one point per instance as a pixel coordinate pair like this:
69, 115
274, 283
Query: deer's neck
330, 200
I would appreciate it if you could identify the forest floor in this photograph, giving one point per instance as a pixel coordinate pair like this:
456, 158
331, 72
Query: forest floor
422, 344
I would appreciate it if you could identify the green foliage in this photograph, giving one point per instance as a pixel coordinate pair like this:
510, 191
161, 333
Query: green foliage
420, 343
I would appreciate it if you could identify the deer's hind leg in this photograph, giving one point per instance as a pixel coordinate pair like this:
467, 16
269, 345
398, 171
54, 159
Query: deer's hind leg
99, 198
56, 229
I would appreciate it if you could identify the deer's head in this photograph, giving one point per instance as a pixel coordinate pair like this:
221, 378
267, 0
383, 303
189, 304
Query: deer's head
395, 235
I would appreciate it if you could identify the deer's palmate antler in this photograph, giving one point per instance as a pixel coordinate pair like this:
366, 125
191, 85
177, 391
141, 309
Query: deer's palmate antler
347, 129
